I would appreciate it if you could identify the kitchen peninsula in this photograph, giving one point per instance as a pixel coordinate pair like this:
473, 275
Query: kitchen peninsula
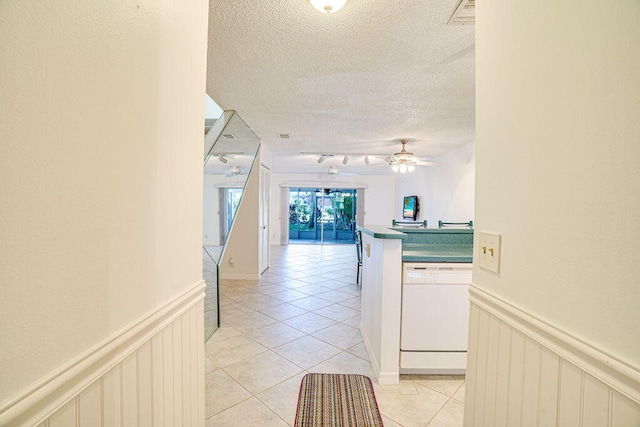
429, 266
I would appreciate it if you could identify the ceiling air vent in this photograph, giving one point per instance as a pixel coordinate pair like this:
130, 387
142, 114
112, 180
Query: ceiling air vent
229, 136
284, 136
465, 13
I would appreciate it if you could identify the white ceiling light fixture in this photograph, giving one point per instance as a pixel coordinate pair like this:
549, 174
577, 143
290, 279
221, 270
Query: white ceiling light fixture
328, 6
403, 161
321, 159
234, 171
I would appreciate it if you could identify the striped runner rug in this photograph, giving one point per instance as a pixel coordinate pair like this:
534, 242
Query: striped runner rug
338, 400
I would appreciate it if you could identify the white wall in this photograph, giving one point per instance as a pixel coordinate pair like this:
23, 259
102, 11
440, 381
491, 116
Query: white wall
242, 241
266, 156
556, 167
446, 192
557, 173
378, 193
211, 109
100, 173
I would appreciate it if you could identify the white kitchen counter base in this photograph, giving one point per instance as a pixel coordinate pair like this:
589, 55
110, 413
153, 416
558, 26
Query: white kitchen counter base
381, 304
437, 344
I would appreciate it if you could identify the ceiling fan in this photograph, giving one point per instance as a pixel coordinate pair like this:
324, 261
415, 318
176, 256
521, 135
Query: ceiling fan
233, 171
404, 161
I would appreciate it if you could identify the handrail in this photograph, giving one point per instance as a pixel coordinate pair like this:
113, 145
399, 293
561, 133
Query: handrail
455, 224
416, 223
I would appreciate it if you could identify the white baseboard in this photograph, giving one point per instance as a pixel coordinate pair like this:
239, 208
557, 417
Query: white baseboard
374, 363
142, 358
522, 369
382, 378
388, 378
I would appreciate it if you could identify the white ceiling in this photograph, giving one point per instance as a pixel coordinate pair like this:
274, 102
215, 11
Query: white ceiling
356, 80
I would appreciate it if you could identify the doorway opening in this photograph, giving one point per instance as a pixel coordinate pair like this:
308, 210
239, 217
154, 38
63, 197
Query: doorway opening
322, 215
229, 202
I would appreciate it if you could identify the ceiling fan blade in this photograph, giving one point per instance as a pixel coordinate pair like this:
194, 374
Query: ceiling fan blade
427, 163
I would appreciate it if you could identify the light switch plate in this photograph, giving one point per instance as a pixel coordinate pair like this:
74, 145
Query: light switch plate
489, 251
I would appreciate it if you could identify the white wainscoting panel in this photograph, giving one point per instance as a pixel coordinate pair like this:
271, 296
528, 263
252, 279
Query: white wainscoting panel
150, 374
522, 371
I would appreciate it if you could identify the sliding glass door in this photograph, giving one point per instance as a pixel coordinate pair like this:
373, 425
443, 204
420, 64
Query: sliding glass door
322, 215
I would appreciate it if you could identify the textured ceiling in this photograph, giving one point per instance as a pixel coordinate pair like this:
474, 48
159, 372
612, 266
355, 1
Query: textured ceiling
352, 81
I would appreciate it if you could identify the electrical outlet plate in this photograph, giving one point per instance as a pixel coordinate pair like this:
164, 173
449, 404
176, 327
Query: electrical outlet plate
489, 251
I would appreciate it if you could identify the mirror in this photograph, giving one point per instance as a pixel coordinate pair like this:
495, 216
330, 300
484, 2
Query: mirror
230, 150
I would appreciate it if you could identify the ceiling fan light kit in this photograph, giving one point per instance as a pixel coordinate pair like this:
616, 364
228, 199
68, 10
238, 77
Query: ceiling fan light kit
328, 6
234, 171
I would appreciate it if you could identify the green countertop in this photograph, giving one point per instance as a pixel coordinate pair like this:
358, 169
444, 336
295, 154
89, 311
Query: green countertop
427, 244
437, 253
381, 232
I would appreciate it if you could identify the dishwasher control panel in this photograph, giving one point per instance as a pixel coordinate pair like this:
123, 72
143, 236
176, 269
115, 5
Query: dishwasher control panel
453, 273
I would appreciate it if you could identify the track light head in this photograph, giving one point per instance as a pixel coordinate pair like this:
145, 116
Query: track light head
366, 159
321, 159
222, 158
345, 160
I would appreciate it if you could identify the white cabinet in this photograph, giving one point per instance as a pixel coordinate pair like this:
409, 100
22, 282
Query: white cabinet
435, 317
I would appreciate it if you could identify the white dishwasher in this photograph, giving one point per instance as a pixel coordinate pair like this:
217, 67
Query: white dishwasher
435, 317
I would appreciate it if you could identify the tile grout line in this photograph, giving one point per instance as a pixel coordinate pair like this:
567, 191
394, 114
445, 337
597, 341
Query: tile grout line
243, 291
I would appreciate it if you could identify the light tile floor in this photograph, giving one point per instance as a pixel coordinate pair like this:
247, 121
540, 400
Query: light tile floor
303, 316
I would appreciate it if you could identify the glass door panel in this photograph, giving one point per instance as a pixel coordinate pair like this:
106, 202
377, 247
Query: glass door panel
321, 215
345, 214
301, 214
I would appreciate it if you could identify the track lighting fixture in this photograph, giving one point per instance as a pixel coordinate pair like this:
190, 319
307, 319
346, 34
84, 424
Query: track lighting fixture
402, 162
222, 158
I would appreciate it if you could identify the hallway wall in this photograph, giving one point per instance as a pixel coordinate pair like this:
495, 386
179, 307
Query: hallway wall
101, 180
557, 176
